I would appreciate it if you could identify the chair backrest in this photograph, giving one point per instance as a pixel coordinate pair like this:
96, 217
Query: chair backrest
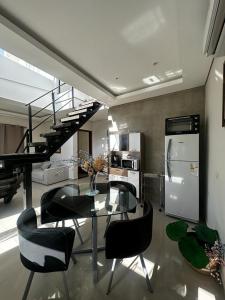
128, 185
46, 202
127, 238
43, 249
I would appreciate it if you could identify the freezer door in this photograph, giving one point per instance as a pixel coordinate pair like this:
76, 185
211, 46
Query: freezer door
182, 190
184, 147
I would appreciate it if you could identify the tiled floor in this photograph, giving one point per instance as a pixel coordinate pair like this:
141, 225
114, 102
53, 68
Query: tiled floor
172, 277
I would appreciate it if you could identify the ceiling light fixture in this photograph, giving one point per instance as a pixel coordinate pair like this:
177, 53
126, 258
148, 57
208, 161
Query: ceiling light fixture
151, 80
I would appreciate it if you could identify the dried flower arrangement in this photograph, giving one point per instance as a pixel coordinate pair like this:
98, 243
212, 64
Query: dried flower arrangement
93, 166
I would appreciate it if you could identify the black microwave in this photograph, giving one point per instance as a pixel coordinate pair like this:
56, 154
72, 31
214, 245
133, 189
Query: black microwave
183, 125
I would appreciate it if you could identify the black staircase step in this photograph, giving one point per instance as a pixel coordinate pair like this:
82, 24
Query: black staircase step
37, 144
85, 105
68, 119
77, 112
61, 126
50, 134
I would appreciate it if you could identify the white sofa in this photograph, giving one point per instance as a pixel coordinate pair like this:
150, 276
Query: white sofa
49, 172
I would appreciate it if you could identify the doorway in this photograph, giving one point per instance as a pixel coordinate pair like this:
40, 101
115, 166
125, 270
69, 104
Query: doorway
84, 145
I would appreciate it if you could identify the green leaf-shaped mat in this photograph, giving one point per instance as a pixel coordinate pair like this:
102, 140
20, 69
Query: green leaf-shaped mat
176, 230
205, 233
193, 252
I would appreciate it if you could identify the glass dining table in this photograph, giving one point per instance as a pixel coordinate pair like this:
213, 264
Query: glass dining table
67, 203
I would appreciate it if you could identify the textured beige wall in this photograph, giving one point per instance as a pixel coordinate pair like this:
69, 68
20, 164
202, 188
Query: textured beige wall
148, 116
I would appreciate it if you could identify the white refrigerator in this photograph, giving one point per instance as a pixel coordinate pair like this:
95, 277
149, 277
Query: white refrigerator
182, 176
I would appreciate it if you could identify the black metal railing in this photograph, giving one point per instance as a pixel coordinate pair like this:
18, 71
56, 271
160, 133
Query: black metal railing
28, 135
25, 136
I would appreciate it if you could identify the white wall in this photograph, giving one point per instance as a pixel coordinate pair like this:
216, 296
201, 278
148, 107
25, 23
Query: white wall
99, 137
215, 145
215, 154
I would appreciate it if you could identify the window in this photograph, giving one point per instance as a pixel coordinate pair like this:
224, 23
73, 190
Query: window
25, 64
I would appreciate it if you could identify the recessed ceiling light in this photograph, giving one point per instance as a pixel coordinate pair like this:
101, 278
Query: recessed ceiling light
118, 88
151, 80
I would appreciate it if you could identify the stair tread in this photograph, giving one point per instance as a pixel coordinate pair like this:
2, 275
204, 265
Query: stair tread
54, 133
33, 144
82, 106
63, 125
67, 119
77, 112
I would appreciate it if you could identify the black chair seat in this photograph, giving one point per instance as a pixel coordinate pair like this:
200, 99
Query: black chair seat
128, 238
43, 250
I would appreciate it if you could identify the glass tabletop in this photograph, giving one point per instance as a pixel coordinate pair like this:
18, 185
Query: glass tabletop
71, 201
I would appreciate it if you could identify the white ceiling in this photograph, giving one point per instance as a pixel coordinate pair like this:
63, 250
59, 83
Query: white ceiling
106, 48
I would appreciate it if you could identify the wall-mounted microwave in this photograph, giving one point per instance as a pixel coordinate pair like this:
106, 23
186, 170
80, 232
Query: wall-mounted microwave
129, 163
183, 125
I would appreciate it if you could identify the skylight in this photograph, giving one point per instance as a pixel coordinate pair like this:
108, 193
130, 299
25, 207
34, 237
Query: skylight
25, 64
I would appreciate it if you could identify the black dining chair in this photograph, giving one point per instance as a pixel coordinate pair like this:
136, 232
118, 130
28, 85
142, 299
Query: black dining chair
121, 185
43, 250
128, 238
63, 215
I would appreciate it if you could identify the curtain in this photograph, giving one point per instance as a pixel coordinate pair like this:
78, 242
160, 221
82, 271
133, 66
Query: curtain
10, 137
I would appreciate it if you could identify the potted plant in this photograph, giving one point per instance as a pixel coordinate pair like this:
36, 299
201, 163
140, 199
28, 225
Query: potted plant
200, 246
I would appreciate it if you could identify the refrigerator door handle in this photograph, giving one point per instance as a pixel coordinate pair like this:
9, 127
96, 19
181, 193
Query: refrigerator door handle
168, 159
168, 170
168, 149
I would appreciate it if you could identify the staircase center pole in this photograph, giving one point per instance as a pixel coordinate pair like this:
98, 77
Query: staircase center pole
27, 186
30, 122
73, 97
53, 107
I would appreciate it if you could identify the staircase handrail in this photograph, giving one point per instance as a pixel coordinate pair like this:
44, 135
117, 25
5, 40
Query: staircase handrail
22, 140
45, 94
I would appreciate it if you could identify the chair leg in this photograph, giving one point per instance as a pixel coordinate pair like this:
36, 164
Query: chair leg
146, 273
78, 231
63, 223
57, 224
108, 220
111, 276
126, 216
28, 285
66, 286
78, 225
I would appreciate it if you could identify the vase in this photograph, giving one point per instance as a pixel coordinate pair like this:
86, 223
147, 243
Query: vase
92, 186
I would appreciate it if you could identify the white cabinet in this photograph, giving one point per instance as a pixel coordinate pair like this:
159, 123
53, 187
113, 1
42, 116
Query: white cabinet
122, 178
135, 141
114, 142
134, 178
113, 177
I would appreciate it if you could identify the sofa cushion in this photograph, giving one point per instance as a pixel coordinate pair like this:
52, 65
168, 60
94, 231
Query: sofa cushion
46, 165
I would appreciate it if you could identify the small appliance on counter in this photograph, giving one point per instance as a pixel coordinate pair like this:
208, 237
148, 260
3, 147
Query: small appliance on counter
115, 160
130, 163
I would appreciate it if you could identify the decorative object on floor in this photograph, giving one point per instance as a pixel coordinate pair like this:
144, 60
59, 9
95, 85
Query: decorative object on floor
201, 247
93, 166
